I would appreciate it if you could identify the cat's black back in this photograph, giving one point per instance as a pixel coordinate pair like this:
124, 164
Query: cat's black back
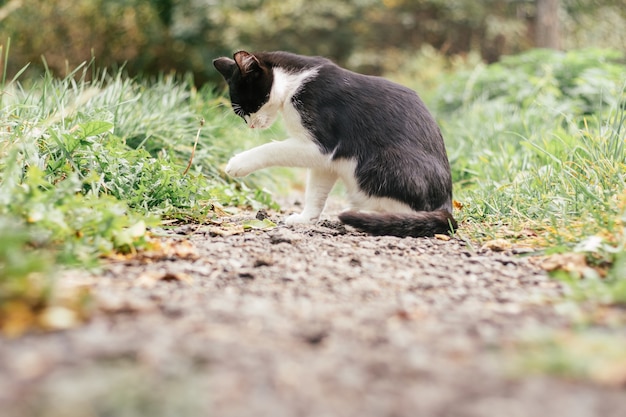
386, 127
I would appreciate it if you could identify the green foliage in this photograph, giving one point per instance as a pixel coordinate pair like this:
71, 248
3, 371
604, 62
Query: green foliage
68, 146
50, 199
68, 32
86, 167
23, 274
152, 36
577, 82
592, 356
536, 144
547, 145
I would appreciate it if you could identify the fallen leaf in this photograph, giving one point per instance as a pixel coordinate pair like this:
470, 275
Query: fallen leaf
16, 317
497, 245
58, 318
569, 262
526, 232
182, 249
130, 234
442, 237
226, 229
218, 209
257, 224
167, 248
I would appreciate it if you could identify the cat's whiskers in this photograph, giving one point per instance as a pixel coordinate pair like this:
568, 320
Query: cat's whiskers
238, 110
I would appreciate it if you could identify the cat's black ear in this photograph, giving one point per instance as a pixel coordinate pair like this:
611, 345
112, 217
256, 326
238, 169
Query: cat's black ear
247, 63
225, 66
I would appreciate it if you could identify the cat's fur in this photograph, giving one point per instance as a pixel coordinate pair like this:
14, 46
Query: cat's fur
374, 135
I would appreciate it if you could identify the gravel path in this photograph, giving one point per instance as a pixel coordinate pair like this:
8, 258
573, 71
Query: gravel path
300, 321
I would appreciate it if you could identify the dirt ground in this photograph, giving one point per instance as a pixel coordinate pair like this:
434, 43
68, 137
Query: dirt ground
301, 321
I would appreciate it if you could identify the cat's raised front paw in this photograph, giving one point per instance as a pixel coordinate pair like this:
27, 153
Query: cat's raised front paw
300, 218
238, 166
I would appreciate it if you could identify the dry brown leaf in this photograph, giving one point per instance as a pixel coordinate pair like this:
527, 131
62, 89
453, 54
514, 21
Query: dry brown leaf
497, 245
570, 262
442, 237
227, 229
181, 249
526, 232
16, 317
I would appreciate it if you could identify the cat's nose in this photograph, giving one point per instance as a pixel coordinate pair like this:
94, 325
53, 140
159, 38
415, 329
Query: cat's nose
257, 122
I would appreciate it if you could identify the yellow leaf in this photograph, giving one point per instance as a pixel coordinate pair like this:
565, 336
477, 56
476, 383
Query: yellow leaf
497, 245
58, 318
16, 318
570, 262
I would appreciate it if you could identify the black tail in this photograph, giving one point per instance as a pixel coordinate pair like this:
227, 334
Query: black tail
418, 224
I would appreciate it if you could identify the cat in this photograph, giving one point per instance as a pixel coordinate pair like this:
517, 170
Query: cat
376, 136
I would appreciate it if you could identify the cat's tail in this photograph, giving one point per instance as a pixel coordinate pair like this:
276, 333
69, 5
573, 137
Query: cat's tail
417, 224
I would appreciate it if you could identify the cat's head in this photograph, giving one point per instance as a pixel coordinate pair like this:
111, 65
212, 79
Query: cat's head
250, 85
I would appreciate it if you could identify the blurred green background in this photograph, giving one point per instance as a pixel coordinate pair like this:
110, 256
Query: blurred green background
372, 36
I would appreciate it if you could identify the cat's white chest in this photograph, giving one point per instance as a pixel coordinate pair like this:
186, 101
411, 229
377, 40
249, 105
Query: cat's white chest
293, 123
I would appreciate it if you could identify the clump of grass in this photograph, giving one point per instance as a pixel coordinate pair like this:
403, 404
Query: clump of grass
536, 144
121, 139
537, 141
90, 162
593, 356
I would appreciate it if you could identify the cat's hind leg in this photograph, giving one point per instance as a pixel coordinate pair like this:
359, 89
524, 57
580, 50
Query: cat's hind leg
318, 185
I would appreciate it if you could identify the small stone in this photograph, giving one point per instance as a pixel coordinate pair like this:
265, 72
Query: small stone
262, 215
246, 275
284, 236
263, 261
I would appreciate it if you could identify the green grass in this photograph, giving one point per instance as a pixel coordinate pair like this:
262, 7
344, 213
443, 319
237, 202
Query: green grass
90, 162
536, 145
594, 355
535, 138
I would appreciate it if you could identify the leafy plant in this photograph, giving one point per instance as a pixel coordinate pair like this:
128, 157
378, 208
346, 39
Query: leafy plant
536, 144
535, 149
90, 162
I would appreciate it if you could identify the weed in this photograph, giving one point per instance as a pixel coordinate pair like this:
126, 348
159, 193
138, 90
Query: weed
90, 162
536, 144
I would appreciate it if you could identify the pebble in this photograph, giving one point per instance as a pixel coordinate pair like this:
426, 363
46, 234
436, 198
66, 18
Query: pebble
293, 321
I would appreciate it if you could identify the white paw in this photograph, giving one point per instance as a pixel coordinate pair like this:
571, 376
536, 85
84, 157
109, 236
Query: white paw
300, 219
239, 166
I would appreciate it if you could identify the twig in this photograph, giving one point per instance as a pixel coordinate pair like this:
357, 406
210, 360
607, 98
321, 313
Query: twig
195, 144
9, 8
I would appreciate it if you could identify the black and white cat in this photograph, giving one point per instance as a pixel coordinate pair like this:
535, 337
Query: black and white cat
374, 135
